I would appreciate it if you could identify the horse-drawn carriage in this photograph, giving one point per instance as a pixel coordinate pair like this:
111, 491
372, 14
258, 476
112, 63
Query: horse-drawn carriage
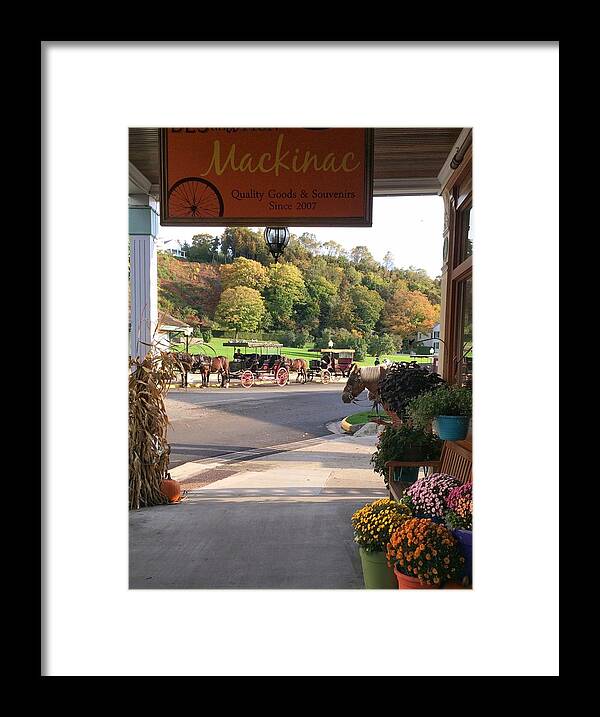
333, 364
258, 361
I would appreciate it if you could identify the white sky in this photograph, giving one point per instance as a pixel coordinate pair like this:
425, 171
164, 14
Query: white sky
410, 227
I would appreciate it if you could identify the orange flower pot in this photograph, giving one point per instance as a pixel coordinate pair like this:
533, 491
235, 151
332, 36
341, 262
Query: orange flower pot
171, 489
405, 582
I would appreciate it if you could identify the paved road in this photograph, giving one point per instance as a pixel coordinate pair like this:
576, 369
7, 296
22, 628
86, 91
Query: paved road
211, 422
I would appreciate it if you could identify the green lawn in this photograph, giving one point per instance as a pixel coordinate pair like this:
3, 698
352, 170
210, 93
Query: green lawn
364, 417
305, 353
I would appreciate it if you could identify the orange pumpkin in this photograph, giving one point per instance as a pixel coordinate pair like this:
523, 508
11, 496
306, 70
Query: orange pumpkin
171, 489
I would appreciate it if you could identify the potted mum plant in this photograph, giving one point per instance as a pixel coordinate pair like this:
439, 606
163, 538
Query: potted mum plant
459, 519
448, 408
429, 494
373, 525
423, 554
404, 443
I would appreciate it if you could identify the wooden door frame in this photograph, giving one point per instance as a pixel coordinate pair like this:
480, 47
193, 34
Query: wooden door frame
458, 196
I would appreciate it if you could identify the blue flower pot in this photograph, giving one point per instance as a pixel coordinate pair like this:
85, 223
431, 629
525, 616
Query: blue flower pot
465, 543
451, 428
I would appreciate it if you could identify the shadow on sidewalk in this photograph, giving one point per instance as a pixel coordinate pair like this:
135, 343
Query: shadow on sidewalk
250, 544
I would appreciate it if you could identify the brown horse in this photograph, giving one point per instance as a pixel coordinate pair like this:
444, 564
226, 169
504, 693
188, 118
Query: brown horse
186, 365
361, 379
300, 366
202, 366
215, 364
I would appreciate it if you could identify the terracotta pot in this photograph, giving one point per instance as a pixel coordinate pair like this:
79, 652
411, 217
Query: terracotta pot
405, 582
171, 489
453, 585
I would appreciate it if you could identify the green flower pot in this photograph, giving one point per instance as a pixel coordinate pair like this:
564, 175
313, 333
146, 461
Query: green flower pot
376, 574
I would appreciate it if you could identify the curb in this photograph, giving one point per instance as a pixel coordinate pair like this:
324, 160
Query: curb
349, 427
191, 469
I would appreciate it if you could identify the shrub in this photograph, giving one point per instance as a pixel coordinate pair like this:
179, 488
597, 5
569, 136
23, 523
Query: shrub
360, 348
444, 401
422, 549
295, 339
343, 339
380, 345
398, 443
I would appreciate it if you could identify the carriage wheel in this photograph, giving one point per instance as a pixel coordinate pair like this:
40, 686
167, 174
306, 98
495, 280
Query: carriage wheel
282, 377
325, 376
247, 379
195, 197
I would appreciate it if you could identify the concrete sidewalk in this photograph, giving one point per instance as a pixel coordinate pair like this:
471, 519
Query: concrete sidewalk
282, 521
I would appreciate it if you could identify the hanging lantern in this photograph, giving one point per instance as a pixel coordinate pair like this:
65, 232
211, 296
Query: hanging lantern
277, 239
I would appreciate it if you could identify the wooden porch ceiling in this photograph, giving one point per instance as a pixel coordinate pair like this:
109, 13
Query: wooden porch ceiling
407, 160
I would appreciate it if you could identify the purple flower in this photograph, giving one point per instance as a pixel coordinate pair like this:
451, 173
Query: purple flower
429, 494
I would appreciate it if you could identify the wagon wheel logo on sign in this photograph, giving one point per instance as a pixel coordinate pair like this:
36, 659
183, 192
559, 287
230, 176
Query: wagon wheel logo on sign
195, 197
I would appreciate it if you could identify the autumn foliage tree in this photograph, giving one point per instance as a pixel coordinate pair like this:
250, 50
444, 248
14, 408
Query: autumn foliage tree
409, 311
367, 306
286, 289
240, 308
244, 272
316, 286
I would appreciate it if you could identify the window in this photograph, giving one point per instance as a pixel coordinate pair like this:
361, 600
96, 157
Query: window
464, 368
465, 248
457, 362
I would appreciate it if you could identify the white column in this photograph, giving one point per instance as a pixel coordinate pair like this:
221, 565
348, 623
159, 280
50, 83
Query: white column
143, 223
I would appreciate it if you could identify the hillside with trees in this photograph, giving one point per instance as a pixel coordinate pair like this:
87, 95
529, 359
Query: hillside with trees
316, 292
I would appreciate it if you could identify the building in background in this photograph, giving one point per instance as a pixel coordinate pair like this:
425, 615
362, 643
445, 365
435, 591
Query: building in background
171, 331
171, 246
430, 339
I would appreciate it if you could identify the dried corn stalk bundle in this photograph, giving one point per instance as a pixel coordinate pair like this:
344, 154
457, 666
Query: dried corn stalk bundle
149, 381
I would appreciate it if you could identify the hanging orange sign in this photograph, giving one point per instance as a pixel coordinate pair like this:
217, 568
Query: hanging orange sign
266, 177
